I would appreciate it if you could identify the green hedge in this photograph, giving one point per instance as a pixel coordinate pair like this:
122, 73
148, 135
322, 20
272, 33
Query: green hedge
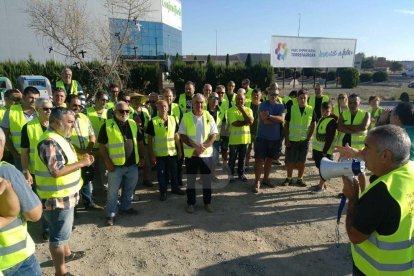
260, 75
349, 77
365, 77
379, 76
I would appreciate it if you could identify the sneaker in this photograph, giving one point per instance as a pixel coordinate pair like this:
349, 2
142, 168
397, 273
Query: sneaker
288, 181
178, 192
232, 180
76, 255
256, 188
163, 197
208, 208
110, 221
300, 182
130, 211
190, 209
243, 178
268, 184
318, 190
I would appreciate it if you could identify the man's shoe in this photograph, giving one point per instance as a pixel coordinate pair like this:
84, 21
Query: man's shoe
109, 221
243, 178
318, 190
300, 182
178, 192
130, 211
256, 188
163, 197
208, 208
190, 209
94, 207
76, 255
277, 162
232, 180
288, 181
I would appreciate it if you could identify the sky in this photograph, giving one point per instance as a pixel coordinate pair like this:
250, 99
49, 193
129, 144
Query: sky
381, 28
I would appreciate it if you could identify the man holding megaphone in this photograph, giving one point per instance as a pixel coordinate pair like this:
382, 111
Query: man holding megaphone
380, 222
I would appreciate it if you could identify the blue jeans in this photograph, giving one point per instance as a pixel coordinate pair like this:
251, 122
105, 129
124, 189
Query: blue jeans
125, 178
239, 150
216, 153
59, 222
167, 168
86, 192
28, 267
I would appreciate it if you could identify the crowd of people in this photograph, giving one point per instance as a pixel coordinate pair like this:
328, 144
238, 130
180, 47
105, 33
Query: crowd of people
64, 147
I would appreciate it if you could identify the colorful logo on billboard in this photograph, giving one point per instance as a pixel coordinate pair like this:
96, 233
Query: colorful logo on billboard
281, 51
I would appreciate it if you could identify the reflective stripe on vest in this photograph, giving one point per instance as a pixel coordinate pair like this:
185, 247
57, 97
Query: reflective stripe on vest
318, 143
57, 187
238, 135
96, 121
299, 123
17, 121
34, 132
83, 124
73, 87
191, 132
164, 142
357, 139
115, 144
393, 253
16, 245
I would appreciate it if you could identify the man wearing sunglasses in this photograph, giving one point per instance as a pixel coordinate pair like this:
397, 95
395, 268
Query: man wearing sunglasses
121, 147
15, 118
83, 140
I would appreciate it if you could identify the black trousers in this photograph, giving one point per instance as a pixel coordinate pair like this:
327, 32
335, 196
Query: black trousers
201, 165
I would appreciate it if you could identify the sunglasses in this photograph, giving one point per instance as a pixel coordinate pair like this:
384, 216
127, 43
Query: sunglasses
47, 109
213, 98
127, 101
16, 99
104, 100
123, 111
341, 98
200, 102
220, 93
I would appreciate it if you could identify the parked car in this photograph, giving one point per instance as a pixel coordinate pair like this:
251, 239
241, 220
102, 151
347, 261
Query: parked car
411, 84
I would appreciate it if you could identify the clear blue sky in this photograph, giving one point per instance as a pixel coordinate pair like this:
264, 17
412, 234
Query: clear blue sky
382, 28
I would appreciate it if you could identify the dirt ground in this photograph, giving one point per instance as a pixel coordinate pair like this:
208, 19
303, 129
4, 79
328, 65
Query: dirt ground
280, 231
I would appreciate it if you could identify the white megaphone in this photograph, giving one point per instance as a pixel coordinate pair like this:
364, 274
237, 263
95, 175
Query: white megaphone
330, 169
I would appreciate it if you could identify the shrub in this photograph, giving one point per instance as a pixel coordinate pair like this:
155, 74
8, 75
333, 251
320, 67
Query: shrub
331, 76
349, 77
365, 77
380, 76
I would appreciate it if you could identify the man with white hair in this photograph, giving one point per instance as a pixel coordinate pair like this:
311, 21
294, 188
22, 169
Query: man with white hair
198, 132
71, 86
380, 220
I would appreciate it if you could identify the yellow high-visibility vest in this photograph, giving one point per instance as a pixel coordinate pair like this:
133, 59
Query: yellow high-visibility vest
73, 87
299, 123
96, 121
357, 139
57, 187
164, 142
115, 144
17, 121
318, 142
191, 132
391, 254
34, 132
238, 135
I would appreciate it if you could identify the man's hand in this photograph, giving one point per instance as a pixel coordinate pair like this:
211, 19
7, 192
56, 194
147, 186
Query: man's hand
199, 149
351, 188
141, 163
87, 160
28, 177
347, 152
153, 161
110, 167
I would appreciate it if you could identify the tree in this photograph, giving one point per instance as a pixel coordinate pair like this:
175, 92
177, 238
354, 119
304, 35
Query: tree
75, 34
227, 60
368, 63
396, 66
349, 77
248, 61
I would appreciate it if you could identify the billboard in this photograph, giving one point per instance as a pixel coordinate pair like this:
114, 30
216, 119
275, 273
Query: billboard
312, 52
171, 13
